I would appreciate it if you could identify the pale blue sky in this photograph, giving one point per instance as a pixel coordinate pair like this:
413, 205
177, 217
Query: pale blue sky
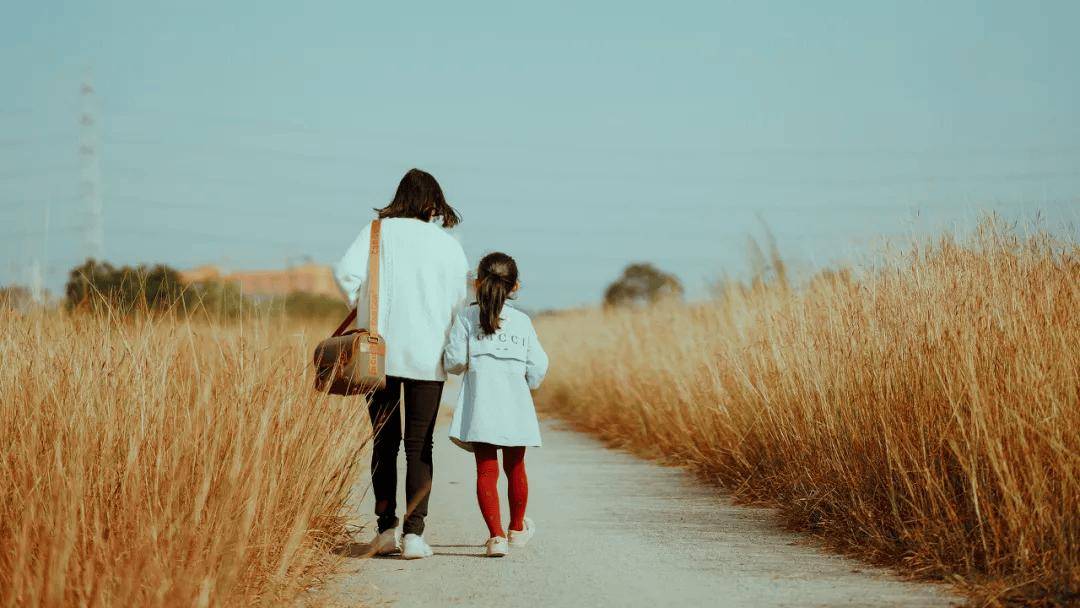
576, 136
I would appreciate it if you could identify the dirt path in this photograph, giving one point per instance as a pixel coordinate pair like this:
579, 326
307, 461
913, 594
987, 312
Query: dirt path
614, 530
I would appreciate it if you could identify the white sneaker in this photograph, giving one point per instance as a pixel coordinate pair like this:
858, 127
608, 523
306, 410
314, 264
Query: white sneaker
497, 546
519, 538
386, 542
413, 546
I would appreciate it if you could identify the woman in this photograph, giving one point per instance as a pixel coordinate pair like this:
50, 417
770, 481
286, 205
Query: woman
422, 280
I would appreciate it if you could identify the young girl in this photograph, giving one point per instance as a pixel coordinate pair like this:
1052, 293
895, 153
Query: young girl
497, 349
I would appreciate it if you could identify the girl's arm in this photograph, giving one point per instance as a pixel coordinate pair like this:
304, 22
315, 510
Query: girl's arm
536, 363
351, 271
456, 353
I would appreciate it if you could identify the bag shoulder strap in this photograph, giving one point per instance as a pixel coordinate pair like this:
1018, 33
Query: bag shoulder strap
344, 324
373, 279
373, 286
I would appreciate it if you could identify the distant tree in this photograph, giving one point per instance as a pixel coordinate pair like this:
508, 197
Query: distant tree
299, 304
89, 284
159, 286
642, 284
94, 284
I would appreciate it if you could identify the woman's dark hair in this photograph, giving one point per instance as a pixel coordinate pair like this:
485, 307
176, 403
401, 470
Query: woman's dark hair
495, 280
419, 197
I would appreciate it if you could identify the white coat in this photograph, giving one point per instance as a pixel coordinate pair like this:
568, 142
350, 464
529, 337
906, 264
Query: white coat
422, 281
495, 405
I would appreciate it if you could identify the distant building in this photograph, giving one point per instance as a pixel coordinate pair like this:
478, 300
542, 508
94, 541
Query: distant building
308, 278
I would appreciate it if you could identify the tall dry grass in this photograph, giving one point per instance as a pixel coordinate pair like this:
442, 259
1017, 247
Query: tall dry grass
926, 414
156, 462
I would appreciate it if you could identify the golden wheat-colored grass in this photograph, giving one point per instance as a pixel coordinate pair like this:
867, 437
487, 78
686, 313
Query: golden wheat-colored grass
925, 413
158, 462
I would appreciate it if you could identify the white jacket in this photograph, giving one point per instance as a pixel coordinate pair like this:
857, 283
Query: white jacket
495, 405
422, 281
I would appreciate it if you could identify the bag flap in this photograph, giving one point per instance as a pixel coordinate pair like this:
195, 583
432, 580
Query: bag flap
330, 350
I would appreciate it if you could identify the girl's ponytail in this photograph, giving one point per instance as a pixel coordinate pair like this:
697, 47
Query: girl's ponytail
495, 281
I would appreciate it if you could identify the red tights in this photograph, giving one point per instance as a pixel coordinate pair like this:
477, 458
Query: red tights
487, 485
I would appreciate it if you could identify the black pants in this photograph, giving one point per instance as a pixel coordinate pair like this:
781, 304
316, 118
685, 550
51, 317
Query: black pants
422, 399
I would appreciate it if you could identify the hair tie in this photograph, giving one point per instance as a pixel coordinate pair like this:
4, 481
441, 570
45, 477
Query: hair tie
505, 280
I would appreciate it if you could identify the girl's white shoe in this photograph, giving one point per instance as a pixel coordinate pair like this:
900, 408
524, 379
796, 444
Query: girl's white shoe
413, 546
497, 546
519, 538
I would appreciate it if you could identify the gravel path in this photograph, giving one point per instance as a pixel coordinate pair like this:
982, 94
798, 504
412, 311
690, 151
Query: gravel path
614, 530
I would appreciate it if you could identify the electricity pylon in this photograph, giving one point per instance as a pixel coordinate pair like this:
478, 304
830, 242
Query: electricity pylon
90, 171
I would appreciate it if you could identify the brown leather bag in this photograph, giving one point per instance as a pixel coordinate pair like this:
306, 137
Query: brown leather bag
354, 362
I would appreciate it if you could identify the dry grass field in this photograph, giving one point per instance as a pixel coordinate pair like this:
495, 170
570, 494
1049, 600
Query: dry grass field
153, 462
925, 413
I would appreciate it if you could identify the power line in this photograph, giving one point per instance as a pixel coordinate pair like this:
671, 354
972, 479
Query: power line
25, 202
189, 173
286, 127
238, 237
37, 171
